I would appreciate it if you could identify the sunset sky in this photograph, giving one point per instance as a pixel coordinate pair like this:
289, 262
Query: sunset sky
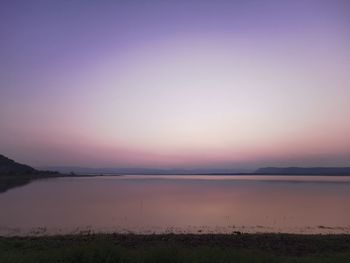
175, 84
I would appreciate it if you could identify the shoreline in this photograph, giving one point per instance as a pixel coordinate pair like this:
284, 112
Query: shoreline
203, 230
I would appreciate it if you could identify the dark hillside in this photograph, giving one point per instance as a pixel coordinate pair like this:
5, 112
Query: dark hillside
10, 167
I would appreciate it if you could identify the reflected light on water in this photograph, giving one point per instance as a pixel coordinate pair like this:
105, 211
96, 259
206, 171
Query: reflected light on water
190, 204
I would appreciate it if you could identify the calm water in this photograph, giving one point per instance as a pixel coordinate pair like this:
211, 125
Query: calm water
191, 204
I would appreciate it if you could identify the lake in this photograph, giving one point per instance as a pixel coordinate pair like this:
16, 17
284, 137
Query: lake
178, 204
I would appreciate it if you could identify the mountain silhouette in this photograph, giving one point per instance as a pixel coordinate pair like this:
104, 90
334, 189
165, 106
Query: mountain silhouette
8, 166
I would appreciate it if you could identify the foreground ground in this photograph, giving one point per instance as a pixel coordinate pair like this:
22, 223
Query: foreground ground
177, 248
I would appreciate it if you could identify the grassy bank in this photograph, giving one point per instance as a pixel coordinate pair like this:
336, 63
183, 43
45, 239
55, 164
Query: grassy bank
177, 248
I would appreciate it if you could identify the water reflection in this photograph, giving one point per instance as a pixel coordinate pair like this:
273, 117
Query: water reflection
149, 204
9, 183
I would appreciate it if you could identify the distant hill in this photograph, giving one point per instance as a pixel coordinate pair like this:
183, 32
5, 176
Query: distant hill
8, 166
304, 171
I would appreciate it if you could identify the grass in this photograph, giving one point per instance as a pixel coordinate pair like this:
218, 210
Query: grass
176, 249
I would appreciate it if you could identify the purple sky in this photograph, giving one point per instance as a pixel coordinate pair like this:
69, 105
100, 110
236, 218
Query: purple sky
175, 83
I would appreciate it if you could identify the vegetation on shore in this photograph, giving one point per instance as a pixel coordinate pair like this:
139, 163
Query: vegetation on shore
176, 248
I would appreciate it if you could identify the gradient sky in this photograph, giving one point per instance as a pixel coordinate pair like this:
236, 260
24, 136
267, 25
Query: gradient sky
175, 83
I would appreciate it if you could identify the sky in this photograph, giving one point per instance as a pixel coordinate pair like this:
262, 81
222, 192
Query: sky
175, 84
